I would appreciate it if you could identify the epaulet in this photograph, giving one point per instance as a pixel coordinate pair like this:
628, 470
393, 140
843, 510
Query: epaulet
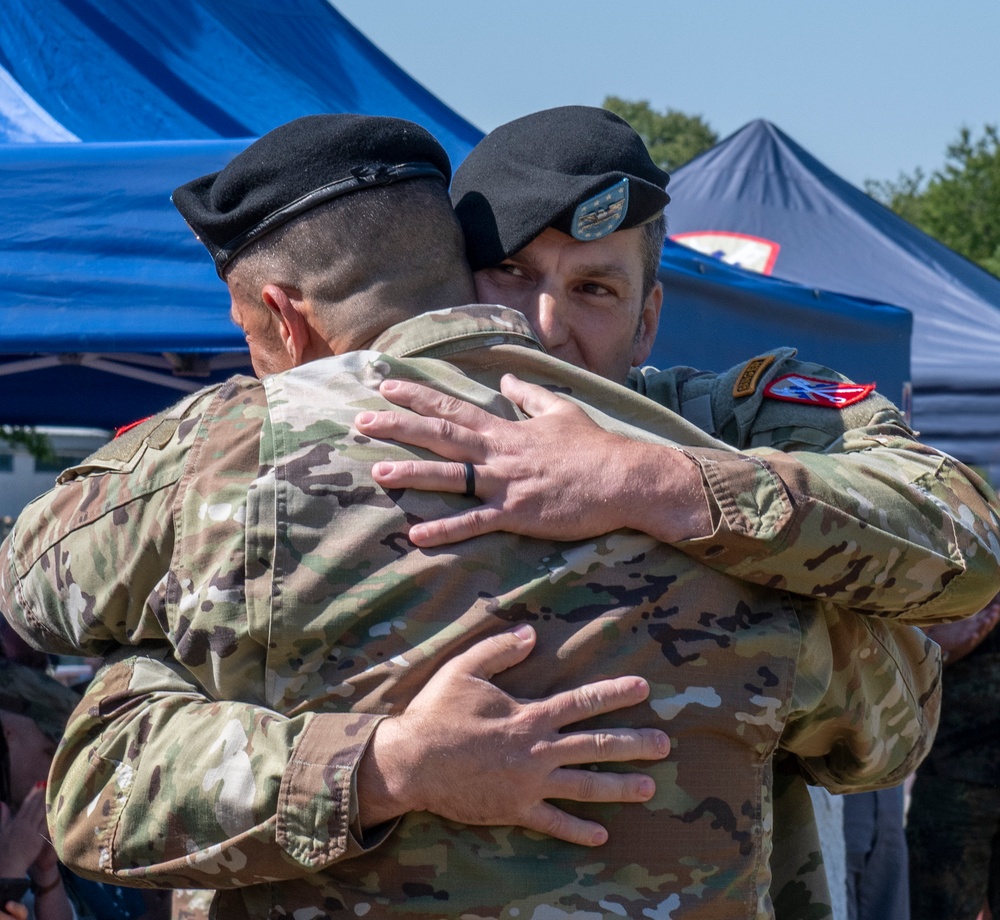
725, 404
157, 430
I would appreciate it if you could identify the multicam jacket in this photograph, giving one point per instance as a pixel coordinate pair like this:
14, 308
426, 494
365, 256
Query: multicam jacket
241, 537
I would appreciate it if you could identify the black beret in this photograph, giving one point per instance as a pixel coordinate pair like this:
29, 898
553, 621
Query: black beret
579, 169
298, 166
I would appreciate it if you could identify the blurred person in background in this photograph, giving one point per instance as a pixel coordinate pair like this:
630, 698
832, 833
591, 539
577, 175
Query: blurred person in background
953, 823
25, 851
34, 708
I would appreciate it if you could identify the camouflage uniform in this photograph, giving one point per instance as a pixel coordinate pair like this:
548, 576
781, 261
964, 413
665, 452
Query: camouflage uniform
953, 828
219, 532
799, 885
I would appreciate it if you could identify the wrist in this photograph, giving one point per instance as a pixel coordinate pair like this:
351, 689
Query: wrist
383, 781
668, 500
44, 882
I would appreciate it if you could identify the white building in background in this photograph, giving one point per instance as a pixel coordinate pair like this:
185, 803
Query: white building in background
23, 478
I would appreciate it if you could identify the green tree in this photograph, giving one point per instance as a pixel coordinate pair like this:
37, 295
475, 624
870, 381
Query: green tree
671, 137
960, 203
36, 444
904, 195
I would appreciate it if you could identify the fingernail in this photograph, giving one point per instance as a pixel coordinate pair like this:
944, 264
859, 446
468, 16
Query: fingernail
646, 788
523, 631
663, 744
390, 385
365, 418
600, 837
382, 469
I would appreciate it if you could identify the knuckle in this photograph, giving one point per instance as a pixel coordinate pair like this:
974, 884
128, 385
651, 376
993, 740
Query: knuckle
589, 699
444, 428
589, 787
554, 823
477, 523
606, 745
450, 405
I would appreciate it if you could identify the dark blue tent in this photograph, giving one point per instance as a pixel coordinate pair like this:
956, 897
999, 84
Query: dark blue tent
110, 308
760, 200
716, 315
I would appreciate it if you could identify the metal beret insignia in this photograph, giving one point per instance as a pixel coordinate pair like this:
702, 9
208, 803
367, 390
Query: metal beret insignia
602, 214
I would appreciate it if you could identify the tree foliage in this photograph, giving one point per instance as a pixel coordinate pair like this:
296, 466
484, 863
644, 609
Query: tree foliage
36, 444
672, 137
960, 203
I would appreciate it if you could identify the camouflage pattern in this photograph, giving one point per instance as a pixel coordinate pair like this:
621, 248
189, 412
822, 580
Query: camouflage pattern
191, 904
761, 426
271, 689
878, 521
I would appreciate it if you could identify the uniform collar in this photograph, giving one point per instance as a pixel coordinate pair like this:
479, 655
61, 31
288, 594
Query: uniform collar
444, 332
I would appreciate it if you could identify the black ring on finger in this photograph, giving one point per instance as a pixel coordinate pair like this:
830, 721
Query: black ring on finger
470, 480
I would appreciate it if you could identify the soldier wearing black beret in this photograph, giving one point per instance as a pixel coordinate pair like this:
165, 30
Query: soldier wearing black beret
342, 256
562, 212
333, 155
275, 198
579, 170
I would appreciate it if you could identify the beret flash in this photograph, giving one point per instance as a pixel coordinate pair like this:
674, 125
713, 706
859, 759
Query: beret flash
579, 169
298, 166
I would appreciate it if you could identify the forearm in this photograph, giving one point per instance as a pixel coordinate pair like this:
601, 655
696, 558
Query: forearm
154, 784
891, 529
51, 900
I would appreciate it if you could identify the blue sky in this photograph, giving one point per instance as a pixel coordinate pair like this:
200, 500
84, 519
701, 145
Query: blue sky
870, 88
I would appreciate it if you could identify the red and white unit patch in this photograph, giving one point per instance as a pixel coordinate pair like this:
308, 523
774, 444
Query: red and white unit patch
751, 252
815, 392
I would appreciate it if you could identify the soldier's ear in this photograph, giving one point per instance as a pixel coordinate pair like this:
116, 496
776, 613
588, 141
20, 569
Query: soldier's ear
293, 326
649, 322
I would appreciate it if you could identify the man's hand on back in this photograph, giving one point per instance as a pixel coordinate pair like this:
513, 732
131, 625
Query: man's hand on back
556, 475
467, 751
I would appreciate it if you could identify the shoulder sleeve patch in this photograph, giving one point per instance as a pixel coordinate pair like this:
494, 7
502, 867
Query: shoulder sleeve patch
748, 379
813, 391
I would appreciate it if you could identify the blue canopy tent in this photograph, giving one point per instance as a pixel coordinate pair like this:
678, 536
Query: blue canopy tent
760, 200
111, 309
144, 70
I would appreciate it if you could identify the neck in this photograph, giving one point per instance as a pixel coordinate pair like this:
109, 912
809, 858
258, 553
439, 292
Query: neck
360, 319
